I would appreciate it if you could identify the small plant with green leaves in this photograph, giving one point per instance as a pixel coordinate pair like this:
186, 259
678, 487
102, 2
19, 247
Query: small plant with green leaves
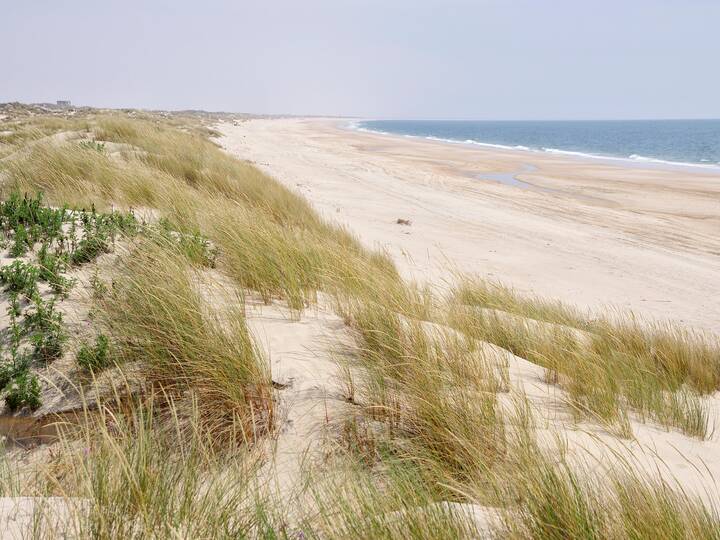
99, 233
99, 287
19, 209
93, 145
94, 357
71, 237
22, 242
95, 240
51, 266
44, 324
23, 391
16, 333
14, 307
123, 222
165, 225
48, 346
11, 369
20, 277
198, 249
89, 248
32, 214
35, 234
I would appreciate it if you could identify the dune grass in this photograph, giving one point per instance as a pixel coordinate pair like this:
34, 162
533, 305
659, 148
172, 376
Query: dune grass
128, 474
557, 500
607, 365
430, 399
24, 131
156, 315
79, 176
150, 469
351, 502
678, 354
435, 394
434, 441
272, 241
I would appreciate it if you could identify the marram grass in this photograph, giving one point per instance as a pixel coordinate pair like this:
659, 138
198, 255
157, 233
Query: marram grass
429, 448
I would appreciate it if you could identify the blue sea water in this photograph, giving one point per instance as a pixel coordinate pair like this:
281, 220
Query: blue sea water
685, 142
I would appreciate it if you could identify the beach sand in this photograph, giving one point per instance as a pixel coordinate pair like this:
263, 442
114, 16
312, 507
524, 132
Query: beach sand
592, 233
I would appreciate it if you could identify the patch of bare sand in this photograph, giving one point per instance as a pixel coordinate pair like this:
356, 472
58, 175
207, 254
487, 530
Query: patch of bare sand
302, 356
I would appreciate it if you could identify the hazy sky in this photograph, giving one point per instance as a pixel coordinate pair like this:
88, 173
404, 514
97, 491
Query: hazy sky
482, 59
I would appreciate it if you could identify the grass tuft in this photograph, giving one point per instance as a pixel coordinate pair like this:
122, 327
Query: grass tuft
608, 365
156, 315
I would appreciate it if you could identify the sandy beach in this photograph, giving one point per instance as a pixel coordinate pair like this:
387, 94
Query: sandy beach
589, 232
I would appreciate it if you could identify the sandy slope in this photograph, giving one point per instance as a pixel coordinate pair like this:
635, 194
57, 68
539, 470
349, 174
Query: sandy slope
589, 232
312, 406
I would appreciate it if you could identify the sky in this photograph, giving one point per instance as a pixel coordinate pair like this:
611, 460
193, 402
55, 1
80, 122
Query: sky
413, 59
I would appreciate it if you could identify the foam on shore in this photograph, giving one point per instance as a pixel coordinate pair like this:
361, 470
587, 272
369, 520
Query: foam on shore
633, 159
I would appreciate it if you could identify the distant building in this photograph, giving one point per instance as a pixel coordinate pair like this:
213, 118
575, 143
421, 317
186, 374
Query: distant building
62, 103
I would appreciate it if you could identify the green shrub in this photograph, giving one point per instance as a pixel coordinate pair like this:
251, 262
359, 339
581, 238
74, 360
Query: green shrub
94, 357
100, 231
198, 249
14, 308
124, 222
43, 317
45, 326
15, 331
89, 248
30, 211
51, 266
10, 370
20, 277
48, 346
30, 220
22, 242
24, 391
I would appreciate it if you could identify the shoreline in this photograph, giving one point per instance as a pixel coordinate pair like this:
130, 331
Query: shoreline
592, 234
639, 161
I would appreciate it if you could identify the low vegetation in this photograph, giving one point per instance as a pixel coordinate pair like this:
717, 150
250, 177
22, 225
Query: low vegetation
169, 236
35, 282
94, 357
155, 313
607, 366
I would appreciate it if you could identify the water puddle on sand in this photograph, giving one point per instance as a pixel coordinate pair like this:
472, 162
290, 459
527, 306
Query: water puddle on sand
511, 179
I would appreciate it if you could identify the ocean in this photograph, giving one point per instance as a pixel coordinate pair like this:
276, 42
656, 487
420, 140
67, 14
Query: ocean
693, 143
